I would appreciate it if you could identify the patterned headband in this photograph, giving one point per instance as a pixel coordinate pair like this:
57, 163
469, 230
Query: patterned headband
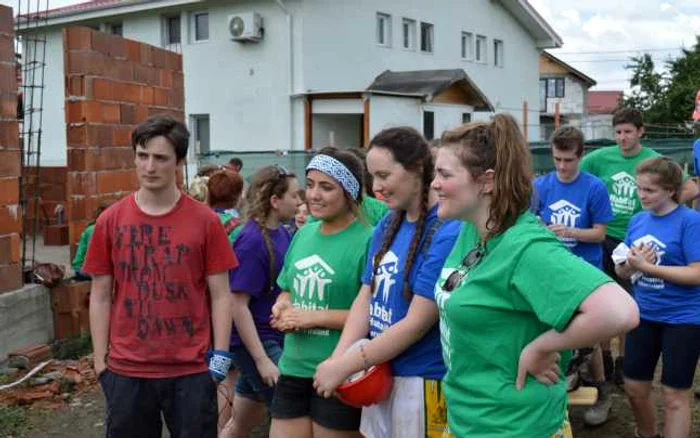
338, 170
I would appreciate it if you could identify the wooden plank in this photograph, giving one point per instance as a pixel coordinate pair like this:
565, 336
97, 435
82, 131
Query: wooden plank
308, 120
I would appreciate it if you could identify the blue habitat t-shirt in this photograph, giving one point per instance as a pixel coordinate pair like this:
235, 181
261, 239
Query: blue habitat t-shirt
389, 306
676, 239
580, 203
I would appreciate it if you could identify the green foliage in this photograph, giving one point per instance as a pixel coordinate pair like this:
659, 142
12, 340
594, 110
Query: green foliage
72, 348
12, 420
666, 97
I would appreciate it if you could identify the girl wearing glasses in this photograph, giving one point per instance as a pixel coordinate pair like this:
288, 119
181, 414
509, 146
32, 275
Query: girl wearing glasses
664, 265
511, 296
261, 246
396, 304
320, 279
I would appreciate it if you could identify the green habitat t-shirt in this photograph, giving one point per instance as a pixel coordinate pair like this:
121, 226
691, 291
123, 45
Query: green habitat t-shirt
526, 284
321, 272
618, 173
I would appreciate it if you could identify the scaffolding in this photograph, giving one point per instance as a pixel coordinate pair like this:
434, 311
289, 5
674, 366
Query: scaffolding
30, 49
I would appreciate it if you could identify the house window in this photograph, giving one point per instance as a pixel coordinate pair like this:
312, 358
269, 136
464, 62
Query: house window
466, 117
117, 29
480, 48
555, 87
200, 23
383, 29
172, 30
498, 53
201, 133
467, 46
426, 37
408, 30
429, 124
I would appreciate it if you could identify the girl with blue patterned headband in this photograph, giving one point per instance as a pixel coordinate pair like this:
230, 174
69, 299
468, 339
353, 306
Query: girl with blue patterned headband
320, 279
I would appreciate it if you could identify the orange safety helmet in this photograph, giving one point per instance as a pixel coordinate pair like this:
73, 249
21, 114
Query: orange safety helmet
696, 113
369, 387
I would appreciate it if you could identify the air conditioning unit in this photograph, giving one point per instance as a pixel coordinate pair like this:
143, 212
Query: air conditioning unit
246, 27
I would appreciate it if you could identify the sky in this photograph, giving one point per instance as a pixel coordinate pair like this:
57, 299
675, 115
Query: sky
599, 35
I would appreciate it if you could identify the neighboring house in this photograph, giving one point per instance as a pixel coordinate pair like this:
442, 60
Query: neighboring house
601, 107
297, 74
562, 85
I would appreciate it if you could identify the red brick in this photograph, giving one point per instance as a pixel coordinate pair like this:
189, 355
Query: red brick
146, 54
9, 163
104, 89
82, 183
100, 42
117, 47
160, 97
8, 106
56, 235
70, 296
11, 277
8, 77
142, 113
10, 219
75, 229
9, 248
6, 20
9, 191
7, 48
95, 159
9, 135
133, 51
84, 111
84, 207
121, 135
178, 80
127, 114
173, 61
159, 57
76, 85
176, 99
110, 113
86, 63
77, 135
166, 78
78, 38
147, 95
116, 181
131, 93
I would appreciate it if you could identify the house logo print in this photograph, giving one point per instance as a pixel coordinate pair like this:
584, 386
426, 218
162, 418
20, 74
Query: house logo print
624, 185
564, 213
313, 277
659, 246
384, 277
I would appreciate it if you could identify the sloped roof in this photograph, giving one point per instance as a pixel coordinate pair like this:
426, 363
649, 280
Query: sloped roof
589, 81
88, 6
603, 102
430, 83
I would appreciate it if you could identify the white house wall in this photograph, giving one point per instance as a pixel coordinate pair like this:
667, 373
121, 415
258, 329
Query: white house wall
340, 51
446, 116
574, 101
388, 112
339, 130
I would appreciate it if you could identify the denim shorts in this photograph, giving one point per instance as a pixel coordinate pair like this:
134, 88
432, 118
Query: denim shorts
249, 384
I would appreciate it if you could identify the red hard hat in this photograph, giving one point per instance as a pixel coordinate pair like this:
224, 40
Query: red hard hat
373, 387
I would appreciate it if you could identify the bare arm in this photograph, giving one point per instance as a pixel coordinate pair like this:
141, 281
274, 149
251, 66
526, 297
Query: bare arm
685, 275
100, 307
624, 270
590, 235
220, 309
357, 324
689, 191
286, 317
607, 312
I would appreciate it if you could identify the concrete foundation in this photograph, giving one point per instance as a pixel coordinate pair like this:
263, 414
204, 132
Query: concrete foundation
25, 318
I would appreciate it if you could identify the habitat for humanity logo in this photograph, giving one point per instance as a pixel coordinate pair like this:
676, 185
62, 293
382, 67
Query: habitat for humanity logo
623, 196
384, 276
660, 249
313, 278
567, 214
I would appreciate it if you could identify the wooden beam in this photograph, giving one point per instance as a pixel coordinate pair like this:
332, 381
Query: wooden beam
308, 124
365, 123
557, 116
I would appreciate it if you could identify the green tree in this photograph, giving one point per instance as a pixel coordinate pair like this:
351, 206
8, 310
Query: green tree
665, 97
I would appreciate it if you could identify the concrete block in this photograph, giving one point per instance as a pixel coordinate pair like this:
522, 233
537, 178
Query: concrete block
26, 318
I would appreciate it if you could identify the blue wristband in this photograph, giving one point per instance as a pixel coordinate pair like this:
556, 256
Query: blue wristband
219, 364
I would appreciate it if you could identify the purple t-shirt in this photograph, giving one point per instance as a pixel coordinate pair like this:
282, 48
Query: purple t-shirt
252, 276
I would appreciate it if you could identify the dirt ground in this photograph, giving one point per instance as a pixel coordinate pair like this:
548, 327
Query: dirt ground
84, 419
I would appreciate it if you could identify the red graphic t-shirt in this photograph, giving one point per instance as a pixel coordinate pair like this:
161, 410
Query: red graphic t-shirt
160, 320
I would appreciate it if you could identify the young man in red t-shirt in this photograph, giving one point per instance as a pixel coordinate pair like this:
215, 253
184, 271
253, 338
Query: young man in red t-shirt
159, 262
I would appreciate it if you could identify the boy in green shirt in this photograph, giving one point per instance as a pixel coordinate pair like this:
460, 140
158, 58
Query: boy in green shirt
616, 167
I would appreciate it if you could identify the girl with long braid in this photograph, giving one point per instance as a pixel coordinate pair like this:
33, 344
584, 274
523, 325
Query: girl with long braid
396, 305
320, 279
261, 245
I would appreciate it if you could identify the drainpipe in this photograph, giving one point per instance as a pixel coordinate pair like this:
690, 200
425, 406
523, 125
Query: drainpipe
290, 79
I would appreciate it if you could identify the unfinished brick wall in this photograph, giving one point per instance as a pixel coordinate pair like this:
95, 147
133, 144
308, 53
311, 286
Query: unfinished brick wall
10, 214
111, 85
50, 184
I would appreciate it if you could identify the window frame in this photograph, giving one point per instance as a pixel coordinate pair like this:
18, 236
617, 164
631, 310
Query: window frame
383, 17
195, 120
412, 26
195, 27
498, 53
467, 46
481, 49
167, 30
431, 34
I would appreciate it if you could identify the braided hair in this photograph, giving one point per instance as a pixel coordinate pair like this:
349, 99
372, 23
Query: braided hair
410, 149
267, 182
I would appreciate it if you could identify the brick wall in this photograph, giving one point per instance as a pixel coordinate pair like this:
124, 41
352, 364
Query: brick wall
10, 214
111, 85
50, 185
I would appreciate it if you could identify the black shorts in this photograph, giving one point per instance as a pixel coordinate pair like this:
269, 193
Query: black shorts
678, 344
609, 245
295, 397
